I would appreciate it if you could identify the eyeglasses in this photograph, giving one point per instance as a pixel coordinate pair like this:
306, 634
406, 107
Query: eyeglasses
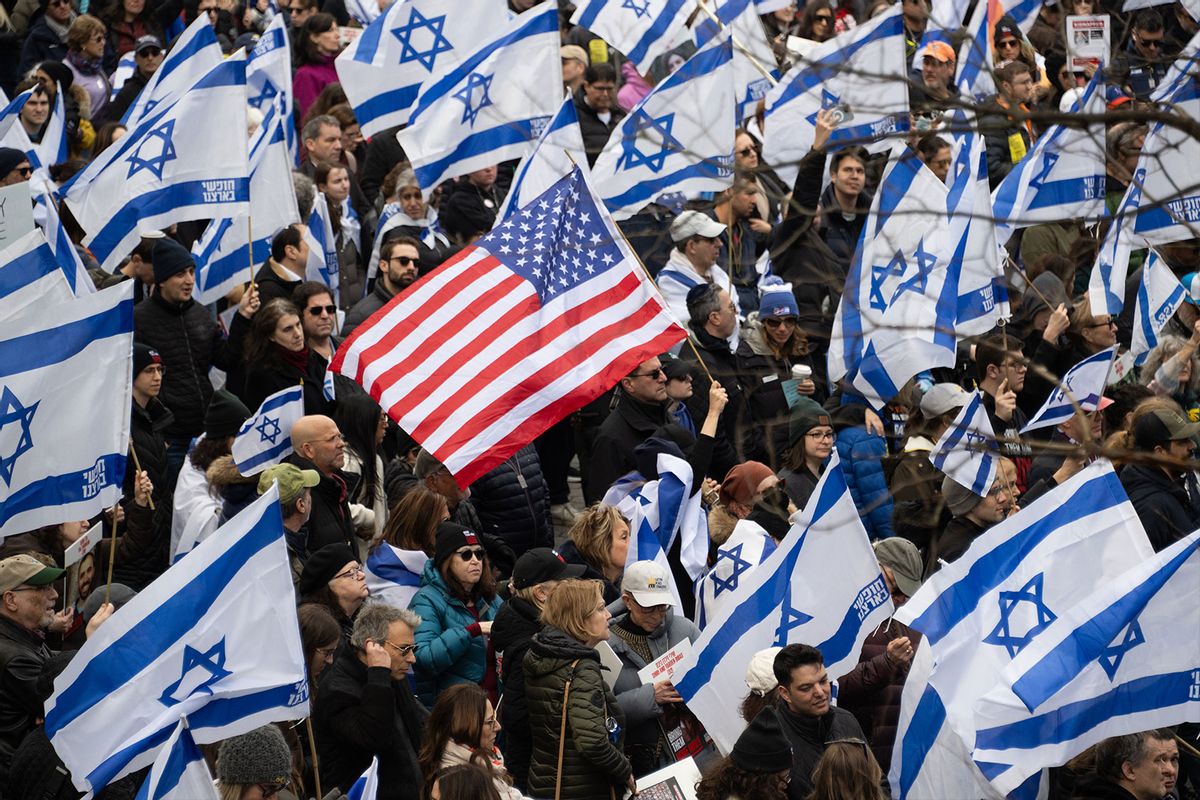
401, 649
820, 436
317, 311
404, 260
24, 172
43, 589
1109, 323
826, 18
656, 374
685, 378
272, 789
775, 322
355, 571
326, 652
476, 553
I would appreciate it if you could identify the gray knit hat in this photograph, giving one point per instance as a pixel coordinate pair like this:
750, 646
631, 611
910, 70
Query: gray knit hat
260, 756
959, 499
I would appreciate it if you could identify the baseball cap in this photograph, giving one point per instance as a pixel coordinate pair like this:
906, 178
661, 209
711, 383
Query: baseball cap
760, 673
648, 583
542, 564
24, 568
573, 52
292, 481
676, 368
1191, 282
1160, 426
902, 558
145, 42
942, 398
693, 223
939, 51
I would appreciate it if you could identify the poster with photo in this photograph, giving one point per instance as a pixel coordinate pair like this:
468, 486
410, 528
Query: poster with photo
1088, 41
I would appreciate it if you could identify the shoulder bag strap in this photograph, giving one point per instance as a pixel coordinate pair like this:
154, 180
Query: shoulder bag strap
562, 732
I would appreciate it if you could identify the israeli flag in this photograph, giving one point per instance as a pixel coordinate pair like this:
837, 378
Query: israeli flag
1106, 286
413, 42
322, 265
11, 132
431, 234
659, 511
53, 147
328, 390
168, 169
126, 66
224, 258
982, 286
791, 597
30, 274
966, 452
215, 639
974, 77
754, 67
901, 285
367, 786
1124, 658
1061, 177
641, 29
394, 575
179, 771
747, 547
269, 78
65, 385
51, 150
980, 611
265, 438
192, 56
364, 12
63, 248
486, 110
1084, 384
862, 72
558, 150
679, 138
1159, 294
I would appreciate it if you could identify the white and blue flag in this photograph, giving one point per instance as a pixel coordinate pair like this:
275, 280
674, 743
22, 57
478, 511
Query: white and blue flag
179, 771
126, 66
322, 265
51, 150
64, 392
967, 452
269, 78
1084, 384
53, 147
1123, 659
974, 76
394, 575
1159, 294
30, 274
862, 72
754, 70
192, 56
486, 109
214, 638
558, 149
11, 130
367, 785
265, 438
63, 248
641, 29
791, 597
678, 138
228, 250
978, 612
413, 42
748, 546
168, 169
1061, 177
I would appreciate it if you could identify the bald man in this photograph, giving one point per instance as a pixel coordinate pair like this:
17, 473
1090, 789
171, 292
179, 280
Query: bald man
319, 445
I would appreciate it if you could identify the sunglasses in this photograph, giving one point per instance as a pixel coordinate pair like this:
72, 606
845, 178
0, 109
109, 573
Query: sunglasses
24, 172
823, 18
405, 261
654, 373
317, 311
1155, 43
1008, 43
401, 649
775, 322
745, 151
475, 553
151, 52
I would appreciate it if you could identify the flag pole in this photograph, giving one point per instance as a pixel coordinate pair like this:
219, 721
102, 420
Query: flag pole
734, 40
1012, 490
137, 465
112, 554
312, 749
250, 250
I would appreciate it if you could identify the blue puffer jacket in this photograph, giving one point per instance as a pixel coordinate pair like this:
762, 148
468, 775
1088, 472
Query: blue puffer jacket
446, 651
862, 455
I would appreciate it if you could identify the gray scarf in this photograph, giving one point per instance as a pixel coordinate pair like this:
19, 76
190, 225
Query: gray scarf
60, 30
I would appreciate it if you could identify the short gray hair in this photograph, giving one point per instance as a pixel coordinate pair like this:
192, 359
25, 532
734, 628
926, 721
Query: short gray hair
312, 128
427, 464
306, 193
1113, 753
374, 620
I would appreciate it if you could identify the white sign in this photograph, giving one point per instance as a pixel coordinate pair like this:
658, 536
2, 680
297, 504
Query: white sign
663, 667
16, 213
610, 664
676, 782
83, 545
1088, 40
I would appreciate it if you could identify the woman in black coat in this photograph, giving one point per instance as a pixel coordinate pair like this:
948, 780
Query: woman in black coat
277, 358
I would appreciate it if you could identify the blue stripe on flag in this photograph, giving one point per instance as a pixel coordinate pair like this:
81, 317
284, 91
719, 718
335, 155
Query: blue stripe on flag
385, 564
60, 490
646, 191
655, 32
27, 268
834, 62
386, 103
923, 729
513, 132
54, 345
368, 41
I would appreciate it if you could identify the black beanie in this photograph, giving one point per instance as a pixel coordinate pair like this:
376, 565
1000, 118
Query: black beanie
225, 415
323, 565
143, 356
10, 157
450, 537
763, 747
769, 517
60, 72
170, 258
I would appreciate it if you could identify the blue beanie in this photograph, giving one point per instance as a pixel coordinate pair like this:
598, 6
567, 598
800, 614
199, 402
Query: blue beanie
777, 299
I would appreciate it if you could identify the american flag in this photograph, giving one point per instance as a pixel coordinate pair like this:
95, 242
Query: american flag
533, 321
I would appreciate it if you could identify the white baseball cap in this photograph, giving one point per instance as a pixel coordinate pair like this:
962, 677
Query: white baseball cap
648, 582
693, 223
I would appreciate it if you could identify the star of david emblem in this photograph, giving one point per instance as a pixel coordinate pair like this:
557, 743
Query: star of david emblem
144, 158
194, 663
1048, 162
734, 556
1112, 656
268, 93
1003, 634
925, 261
632, 157
474, 96
409, 51
640, 8
789, 619
268, 430
828, 101
15, 438
896, 267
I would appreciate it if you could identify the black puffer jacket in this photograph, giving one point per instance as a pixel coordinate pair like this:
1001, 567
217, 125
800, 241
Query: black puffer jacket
630, 424
1161, 504
512, 502
808, 736
592, 764
146, 427
738, 438
190, 342
268, 376
512, 632
377, 299
364, 713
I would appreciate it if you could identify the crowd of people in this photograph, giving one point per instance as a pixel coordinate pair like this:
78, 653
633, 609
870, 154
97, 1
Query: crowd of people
485, 681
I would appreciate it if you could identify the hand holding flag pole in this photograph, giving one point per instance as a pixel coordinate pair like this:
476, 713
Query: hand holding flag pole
137, 465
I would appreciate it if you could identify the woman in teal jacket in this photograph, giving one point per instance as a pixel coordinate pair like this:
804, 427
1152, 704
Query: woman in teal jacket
457, 603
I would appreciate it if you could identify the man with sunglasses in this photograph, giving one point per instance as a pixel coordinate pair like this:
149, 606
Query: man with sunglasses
367, 708
147, 58
14, 167
47, 38
641, 408
318, 316
1142, 66
399, 259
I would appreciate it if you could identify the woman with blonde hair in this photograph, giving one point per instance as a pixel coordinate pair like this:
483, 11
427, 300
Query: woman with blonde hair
847, 771
599, 540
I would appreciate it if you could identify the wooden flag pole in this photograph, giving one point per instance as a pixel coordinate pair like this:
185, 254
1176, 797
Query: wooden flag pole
250, 250
137, 465
312, 749
112, 554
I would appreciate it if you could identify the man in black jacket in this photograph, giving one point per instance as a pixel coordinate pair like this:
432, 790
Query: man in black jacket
1137, 766
398, 262
641, 409
367, 708
809, 721
147, 58
596, 105
320, 445
1157, 490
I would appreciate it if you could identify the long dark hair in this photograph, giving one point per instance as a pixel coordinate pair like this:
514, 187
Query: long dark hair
260, 348
727, 779
461, 782
485, 588
357, 417
306, 50
457, 716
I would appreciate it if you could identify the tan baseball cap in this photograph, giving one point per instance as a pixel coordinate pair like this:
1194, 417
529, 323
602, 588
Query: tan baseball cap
292, 481
25, 569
